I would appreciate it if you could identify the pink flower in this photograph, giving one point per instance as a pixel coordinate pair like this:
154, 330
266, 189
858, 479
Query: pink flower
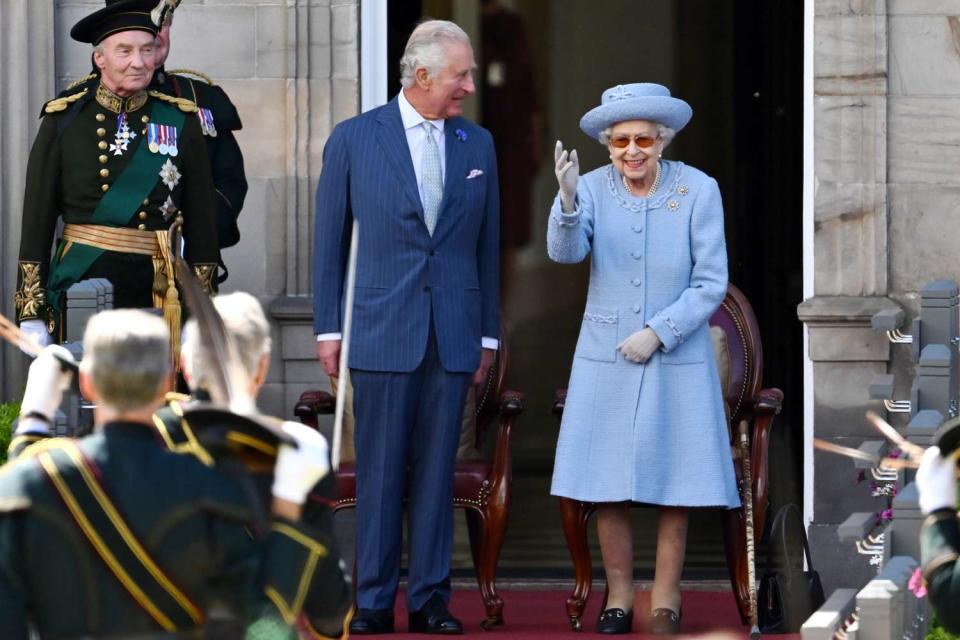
917, 584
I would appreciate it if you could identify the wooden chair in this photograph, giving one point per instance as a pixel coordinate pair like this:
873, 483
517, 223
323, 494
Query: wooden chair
746, 401
481, 487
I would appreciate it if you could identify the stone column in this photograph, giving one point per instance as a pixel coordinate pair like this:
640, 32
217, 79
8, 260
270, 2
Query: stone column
28, 78
850, 263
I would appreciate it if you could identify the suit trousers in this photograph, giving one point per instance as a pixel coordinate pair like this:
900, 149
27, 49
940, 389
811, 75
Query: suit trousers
406, 437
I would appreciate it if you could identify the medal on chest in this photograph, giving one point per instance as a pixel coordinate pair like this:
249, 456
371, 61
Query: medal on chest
162, 139
123, 136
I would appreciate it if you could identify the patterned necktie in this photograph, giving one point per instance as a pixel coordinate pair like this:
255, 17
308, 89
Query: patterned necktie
432, 179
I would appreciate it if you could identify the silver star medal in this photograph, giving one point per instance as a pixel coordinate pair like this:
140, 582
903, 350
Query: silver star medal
168, 208
169, 174
123, 137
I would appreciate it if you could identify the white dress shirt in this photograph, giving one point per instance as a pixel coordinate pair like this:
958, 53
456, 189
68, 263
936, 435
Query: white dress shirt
416, 138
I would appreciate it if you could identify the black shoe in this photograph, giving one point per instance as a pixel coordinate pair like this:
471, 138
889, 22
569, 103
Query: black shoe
664, 622
368, 622
434, 617
615, 621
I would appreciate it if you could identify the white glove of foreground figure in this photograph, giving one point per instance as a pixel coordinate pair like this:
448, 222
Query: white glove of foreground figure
936, 481
36, 329
567, 169
47, 379
298, 469
640, 346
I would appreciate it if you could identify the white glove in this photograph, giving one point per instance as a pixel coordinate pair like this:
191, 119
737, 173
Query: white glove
47, 379
640, 346
567, 169
36, 329
298, 469
936, 481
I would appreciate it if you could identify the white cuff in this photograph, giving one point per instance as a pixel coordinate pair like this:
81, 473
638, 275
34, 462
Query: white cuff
324, 337
489, 343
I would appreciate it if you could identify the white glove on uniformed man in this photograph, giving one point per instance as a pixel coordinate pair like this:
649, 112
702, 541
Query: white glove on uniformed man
640, 345
936, 481
298, 469
567, 170
47, 379
36, 329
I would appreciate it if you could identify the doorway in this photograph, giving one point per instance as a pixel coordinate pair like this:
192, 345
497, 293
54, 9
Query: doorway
739, 63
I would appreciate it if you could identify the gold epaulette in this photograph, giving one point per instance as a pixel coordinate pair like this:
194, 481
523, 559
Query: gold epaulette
60, 104
175, 396
40, 446
77, 83
185, 105
191, 72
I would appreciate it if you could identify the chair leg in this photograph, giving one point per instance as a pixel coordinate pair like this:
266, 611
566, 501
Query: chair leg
575, 515
735, 548
486, 531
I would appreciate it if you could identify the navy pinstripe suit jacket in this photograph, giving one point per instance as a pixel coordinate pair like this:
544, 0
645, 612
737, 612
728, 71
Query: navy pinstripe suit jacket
404, 275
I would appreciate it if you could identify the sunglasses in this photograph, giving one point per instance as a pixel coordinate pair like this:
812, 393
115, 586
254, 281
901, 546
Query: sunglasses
644, 142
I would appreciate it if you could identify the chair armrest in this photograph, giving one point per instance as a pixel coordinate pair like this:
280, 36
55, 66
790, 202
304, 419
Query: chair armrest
511, 406
559, 402
511, 403
313, 403
768, 402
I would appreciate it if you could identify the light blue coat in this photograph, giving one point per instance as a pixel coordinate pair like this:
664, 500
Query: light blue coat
654, 432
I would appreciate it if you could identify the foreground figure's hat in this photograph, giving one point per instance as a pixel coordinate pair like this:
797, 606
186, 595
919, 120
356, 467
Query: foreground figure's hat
117, 16
637, 101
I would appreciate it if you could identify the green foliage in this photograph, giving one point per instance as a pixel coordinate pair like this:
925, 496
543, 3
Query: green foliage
936, 632
8, 413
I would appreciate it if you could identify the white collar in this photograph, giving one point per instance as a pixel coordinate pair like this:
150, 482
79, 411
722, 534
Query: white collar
411, 117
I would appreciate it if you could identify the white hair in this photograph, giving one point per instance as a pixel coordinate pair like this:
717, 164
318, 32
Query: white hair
427, 48
245, 322
666, 134
127, 355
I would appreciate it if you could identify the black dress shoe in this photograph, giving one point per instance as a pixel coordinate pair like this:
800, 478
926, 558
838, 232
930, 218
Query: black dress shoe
434, 617
615, 621
368, 622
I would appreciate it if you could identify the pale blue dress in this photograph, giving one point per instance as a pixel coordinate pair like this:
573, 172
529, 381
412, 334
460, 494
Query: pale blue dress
654, 432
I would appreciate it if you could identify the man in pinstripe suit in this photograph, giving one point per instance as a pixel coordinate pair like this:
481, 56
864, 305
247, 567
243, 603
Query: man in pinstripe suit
421, 182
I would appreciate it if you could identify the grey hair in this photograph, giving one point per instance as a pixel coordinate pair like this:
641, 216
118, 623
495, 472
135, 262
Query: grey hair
127, 355
427, 48
666, 134
247, 324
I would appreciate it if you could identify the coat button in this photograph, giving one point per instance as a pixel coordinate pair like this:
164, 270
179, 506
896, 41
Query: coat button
636, 254
102, 145
142, 227
101, 117
635, 282
146, 201
104, 187
101, 132
143, 215
104, 173
636, 308
103, 159
145, 119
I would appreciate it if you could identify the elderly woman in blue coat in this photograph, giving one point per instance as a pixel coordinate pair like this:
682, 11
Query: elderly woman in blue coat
644, 419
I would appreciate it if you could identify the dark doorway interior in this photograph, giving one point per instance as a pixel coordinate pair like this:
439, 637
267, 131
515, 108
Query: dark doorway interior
739, 64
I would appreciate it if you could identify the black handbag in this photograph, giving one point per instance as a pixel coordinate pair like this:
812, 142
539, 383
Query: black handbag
787, 595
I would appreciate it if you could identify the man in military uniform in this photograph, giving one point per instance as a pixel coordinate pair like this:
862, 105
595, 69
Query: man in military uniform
218, 119
117, 162
113, 535
940, 535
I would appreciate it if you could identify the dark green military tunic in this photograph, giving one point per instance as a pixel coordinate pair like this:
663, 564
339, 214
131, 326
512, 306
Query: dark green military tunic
72, 166
226, 159
194, 521
939, 548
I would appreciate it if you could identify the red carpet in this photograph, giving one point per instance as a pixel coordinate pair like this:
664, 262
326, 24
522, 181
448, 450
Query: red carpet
535, 615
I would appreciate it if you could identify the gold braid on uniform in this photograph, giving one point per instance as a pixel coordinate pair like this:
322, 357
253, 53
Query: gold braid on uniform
117, 103
60, 104
185, 105
30, 300
205, 273
191, 72
77, 83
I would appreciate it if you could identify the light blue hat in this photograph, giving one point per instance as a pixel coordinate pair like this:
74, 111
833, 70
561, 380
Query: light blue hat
637, 101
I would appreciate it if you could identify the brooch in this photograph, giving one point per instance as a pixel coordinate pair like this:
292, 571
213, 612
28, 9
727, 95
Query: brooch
673, 205
461, 134
683, 190
169, 174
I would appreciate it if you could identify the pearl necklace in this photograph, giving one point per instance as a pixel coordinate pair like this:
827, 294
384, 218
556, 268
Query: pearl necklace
653, 187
